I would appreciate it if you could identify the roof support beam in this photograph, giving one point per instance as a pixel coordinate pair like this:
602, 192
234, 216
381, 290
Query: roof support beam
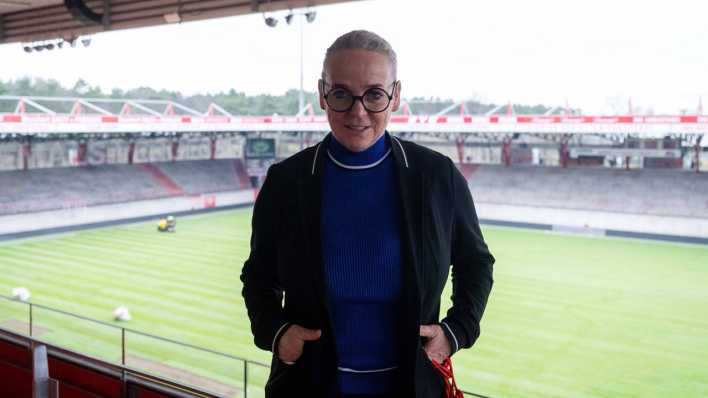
82, 12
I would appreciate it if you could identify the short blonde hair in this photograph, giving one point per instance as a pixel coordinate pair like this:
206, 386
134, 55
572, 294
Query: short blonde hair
361, 40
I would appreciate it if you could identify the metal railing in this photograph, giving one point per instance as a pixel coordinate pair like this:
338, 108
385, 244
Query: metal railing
169, 372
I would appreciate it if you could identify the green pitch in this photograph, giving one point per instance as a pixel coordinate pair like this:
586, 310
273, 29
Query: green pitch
568, 316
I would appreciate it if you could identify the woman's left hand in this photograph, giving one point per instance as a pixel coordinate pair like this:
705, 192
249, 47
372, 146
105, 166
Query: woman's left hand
437, 347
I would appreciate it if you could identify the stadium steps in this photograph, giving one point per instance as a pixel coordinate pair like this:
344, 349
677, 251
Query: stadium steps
241, 174
163, 179
651, 192
467, 169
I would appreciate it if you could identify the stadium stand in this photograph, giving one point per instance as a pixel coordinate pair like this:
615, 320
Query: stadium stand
199, 176
72, 187
647, 191
76, 375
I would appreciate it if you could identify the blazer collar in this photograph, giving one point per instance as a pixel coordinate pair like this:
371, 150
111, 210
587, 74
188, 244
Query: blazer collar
316, 165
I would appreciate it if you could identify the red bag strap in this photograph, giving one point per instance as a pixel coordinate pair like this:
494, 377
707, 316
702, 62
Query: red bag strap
445, 369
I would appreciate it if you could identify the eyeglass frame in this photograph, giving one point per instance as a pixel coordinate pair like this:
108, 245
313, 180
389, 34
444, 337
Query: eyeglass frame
360, 98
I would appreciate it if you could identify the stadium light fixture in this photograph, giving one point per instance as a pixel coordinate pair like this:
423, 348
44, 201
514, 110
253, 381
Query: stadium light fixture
270, 21
310, 16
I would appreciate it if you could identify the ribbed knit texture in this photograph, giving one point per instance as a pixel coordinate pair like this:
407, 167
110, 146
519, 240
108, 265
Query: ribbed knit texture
362, 249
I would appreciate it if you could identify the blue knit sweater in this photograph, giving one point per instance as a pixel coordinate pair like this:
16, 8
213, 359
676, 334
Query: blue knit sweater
362, 250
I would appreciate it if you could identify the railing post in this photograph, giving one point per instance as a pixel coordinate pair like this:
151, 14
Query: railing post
30, 319
122, 346
245, 379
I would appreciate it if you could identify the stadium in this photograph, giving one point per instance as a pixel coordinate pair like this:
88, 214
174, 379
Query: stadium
599, 225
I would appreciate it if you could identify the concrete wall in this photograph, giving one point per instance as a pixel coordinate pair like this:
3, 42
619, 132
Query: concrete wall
595, 222
17, 223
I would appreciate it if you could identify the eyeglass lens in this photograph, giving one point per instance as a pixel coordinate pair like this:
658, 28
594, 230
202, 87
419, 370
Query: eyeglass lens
374, 99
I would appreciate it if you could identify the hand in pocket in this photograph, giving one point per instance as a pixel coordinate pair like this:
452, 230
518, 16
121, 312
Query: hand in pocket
292, 342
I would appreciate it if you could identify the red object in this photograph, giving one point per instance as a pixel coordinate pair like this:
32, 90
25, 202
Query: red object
445, 369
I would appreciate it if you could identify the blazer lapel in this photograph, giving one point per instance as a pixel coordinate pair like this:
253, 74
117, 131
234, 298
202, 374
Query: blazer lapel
310, 193
410, 183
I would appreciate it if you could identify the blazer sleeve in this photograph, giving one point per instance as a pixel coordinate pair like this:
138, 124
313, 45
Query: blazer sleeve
261, 291
471, 269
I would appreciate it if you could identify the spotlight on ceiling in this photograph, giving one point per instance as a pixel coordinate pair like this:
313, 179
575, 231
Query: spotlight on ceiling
310, 16
270, 21
289, 18
38, 47
49, 46
60, 44
86, 41
27, 49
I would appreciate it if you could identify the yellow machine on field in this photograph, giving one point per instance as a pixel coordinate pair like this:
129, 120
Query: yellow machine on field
168, 224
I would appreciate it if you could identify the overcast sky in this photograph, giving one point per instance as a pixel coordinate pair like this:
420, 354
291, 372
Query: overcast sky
592, 54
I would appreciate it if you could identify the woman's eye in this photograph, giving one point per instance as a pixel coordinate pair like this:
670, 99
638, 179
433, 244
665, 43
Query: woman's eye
374, 96
341, 94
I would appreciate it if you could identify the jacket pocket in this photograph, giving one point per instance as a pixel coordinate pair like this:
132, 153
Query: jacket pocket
280, 379
429, 381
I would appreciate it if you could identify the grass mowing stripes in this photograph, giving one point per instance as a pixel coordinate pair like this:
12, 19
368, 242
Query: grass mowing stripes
568, 316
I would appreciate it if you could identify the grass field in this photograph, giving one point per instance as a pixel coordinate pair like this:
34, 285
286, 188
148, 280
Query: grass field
568, 316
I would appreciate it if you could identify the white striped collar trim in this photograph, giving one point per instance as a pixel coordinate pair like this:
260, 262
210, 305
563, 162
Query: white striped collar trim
314, 161
363, 166
403, 151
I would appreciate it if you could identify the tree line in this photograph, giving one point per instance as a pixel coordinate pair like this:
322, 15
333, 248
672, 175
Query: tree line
233, 101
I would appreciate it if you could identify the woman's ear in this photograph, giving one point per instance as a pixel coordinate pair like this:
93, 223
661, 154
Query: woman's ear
396, 97
320, 88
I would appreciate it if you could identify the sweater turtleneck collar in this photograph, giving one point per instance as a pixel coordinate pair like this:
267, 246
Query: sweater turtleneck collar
365, 159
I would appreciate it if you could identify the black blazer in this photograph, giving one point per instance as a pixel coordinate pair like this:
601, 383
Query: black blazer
283, 278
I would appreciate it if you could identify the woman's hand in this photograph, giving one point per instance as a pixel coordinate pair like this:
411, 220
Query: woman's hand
293, 340
437, 347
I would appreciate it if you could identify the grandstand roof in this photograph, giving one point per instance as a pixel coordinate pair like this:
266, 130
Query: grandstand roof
35, 20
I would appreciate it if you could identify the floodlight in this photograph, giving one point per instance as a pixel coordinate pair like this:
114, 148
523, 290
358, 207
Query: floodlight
310, 16
86, 41
289, 18
60, 44
27, 49
271, 22
49, 46
38, 47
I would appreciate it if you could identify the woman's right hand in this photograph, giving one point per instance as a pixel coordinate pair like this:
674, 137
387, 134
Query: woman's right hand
292, 342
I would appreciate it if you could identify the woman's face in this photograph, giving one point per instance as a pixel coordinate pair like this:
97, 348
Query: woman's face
358, 70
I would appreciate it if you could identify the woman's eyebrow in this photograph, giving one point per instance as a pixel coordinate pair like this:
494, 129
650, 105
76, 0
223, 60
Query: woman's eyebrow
342, 85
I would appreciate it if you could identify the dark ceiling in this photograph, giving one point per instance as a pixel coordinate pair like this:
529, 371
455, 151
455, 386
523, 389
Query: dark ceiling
36, 20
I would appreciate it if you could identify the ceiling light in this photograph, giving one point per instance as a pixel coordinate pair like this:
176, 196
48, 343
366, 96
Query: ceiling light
49, 46
289, 18
86, 41
27, 49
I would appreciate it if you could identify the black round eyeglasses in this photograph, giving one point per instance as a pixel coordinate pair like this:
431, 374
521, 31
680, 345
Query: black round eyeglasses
374, 99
